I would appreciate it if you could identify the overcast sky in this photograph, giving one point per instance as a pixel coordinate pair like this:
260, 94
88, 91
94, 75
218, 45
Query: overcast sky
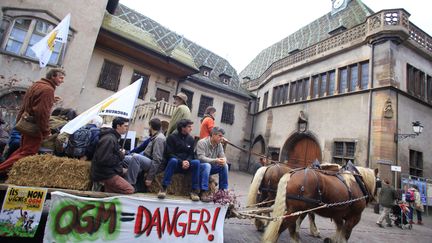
238, 30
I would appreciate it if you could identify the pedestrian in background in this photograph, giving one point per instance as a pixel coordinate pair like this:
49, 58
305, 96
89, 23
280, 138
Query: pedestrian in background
387, 199
416, 205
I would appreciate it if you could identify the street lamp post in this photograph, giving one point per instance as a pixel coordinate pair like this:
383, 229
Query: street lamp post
417, 128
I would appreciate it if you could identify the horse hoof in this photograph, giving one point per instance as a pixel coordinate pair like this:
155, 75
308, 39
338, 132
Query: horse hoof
327, 240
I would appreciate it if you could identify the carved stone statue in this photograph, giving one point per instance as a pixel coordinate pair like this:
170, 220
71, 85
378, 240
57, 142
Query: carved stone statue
388, 109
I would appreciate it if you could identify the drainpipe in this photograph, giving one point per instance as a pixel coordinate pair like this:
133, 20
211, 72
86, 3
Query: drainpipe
371, 75
251, 132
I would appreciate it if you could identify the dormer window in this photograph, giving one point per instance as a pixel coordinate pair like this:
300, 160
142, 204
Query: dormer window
205, 71
295, 50
226, 79
337, 30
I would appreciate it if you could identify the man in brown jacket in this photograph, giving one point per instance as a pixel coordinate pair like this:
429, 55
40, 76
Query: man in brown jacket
38, 102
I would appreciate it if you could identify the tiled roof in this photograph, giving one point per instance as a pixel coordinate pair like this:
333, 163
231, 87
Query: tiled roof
170, 41
355, 13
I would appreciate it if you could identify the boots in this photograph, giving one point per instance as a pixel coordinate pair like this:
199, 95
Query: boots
411, 222
419, 222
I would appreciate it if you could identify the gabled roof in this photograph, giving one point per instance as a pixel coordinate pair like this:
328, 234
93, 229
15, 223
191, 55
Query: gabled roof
171, 43
355, 13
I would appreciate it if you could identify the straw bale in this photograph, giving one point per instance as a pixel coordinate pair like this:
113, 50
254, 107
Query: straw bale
51, 171
181, 184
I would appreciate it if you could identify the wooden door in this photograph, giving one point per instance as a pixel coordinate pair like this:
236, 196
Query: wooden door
304, 152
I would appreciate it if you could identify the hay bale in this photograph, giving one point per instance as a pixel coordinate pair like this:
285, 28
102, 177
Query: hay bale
181, 184
51, 171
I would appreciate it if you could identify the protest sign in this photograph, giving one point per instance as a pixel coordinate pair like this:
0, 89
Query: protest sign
21, 211
132, 219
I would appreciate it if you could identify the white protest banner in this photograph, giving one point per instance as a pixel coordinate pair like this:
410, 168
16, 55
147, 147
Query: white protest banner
132, 219
44, 48
120, 104
21, 211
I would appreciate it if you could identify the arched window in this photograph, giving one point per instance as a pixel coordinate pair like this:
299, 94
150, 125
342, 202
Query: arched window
24, 33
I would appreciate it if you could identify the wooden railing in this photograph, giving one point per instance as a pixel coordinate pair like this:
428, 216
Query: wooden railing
391, 20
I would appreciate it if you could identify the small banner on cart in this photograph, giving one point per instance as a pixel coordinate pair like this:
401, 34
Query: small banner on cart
21, 211
132, 219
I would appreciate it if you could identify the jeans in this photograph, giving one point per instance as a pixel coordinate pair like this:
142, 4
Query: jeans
411, 214
207, 169
175, 166
136, 164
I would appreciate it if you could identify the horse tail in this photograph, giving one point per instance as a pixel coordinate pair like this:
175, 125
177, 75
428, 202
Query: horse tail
256, 182
272, 232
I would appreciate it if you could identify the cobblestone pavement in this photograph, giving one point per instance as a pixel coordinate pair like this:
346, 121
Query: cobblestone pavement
236, 230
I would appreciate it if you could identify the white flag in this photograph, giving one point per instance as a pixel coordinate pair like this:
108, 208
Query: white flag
44, 48
120, 104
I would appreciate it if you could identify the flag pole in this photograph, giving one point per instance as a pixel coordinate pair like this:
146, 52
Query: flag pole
134, 106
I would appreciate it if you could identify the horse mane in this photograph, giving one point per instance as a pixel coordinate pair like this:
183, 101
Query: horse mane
256, 182
369, 178
330, 166
272, 231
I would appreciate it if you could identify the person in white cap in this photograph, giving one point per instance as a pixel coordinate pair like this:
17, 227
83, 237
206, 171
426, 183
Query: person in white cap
181, 112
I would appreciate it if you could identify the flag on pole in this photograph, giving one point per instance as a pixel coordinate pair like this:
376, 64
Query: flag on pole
44, 48
120, 104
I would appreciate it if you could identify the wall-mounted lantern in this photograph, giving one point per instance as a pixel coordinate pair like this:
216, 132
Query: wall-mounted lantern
417, 128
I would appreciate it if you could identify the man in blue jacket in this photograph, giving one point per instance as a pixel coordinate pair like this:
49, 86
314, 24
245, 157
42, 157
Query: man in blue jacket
180, 155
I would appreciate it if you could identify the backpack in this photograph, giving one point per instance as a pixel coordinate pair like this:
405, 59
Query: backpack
409, 196
78, 142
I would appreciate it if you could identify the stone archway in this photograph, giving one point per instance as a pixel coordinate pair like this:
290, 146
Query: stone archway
301, 149
258, 147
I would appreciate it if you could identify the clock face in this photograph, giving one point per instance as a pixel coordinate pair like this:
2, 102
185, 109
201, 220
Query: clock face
337, 4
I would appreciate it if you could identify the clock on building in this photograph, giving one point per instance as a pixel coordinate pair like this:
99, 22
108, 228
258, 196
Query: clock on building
338, 5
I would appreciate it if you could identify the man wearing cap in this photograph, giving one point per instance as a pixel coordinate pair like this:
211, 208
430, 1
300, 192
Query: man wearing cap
181, 112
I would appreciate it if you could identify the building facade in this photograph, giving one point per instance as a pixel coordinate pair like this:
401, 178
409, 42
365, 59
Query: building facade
109, 47
342, 88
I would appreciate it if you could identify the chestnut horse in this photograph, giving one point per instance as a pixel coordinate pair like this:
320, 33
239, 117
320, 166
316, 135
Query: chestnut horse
307, 189
263, 189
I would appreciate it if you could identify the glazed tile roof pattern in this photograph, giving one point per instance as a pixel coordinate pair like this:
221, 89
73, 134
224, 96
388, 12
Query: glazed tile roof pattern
169, 40
355, 13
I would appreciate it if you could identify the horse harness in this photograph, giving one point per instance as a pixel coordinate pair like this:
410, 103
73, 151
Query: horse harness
338, 174
263, 188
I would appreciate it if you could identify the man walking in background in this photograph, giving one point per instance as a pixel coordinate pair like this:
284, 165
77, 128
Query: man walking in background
387, 199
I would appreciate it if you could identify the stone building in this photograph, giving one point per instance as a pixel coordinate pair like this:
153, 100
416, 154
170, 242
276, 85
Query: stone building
342, 88
109, 47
